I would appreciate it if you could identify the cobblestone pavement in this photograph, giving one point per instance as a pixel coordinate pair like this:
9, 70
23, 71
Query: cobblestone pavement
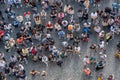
72, 66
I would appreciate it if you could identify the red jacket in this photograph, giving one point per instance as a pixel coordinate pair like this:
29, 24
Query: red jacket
49, 26
34, 51
2, 32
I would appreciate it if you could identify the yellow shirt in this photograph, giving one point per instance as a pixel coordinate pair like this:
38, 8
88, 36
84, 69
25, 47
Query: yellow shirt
99, 78
24, 51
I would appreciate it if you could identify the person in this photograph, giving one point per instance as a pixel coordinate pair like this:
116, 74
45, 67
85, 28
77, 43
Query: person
28, 25
13, 58
60, 16
43, 14
97, 29
20, 19
86, 60
69, 48
43, 73
2, 33
7, 46
21, 75
34, 72
118, 45
33, 50
85, 16
12, 42
37, 19
61, 34
49, 26
57, 27
101, 35
27, 15
117, 55
102, 45
97, 2
64, 44
87, 71
80, 15
93, 15
59, 3
81, 2
64, 23
7, 70
45, 60
18, 3
76, 40
20, 40
111, 77
76, 27
53, 14
24, 54
100, 65
86, 4
27, 3
77, 49
2, 76
71, 11
108, 37
1, 15
100, 76
66, 8
70, 27
93, 48
59, 61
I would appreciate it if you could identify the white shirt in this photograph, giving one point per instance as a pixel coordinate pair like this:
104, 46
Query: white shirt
112, 29
13, 59
66, 8
64, 23
85, 61
58, 27
94, 15
43, 13
19, 18
21, 67
97, 29
77, 49
2, 63
48, 35
44, 58
102, 44
65, 43
27, 24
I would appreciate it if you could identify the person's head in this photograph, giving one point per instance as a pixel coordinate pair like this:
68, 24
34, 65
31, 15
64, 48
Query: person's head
49, 22
79, 10
94, 12
43, 73
43, 10
86, 56
1, 73
102, 32
111, 76
67, 5
33, 70
12, 56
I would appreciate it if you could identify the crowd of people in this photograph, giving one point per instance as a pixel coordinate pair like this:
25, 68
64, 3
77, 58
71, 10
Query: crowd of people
34, 26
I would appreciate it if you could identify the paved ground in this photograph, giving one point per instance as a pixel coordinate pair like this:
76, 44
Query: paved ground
72, 66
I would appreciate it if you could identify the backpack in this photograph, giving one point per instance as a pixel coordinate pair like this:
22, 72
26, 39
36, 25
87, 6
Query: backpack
34, 51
